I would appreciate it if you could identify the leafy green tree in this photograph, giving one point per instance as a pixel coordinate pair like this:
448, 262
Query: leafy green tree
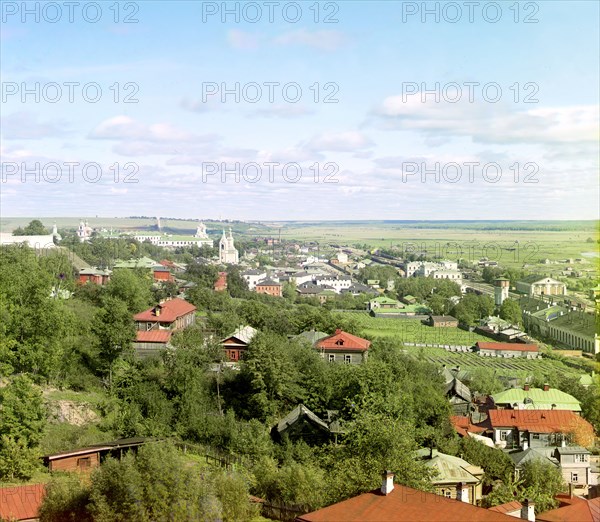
34, 228
495, 463
511, 311
132, 287
114, 328
66, 500
23, 420
236, 284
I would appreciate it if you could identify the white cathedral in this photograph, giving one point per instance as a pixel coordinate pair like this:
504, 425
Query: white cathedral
228, 254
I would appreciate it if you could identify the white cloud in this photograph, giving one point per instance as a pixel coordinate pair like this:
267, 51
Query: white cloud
490, 123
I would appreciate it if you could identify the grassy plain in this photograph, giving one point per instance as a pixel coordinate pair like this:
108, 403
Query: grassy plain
413, 331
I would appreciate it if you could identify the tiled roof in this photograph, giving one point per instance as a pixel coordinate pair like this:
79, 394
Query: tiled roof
343, 341
581, 510
539, 421
537, 398
509, 507
443, 318
403, 504
464, 426
297, 413
514, 347
153, 336
170, 311
21, 502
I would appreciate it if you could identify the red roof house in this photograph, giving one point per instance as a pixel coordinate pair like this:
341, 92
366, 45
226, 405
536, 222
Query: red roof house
343, 347
531, 428
395, 503
221, 282
576, 510
492, 349
21, 502
156, 325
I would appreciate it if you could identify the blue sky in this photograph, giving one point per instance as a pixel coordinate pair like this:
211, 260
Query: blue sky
516, 160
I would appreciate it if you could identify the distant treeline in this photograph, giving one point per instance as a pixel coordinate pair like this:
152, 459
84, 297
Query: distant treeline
551, 226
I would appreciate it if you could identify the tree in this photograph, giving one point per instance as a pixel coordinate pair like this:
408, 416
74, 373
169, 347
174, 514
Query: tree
511, 311
131, 287
23, 420
114, 328
35, 228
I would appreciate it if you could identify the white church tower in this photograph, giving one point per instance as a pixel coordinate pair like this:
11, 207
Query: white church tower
228, 254
201, 231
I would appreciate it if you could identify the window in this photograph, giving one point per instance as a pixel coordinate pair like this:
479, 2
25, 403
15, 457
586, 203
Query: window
580, 457
347, 359
503, 435
574, 477
536, 436
331, 357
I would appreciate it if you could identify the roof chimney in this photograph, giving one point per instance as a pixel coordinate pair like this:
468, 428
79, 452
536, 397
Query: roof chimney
526, 387
528, 510
546, 387
387, 482
338, 331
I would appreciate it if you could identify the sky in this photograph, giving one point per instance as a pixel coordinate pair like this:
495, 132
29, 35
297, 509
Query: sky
300, 110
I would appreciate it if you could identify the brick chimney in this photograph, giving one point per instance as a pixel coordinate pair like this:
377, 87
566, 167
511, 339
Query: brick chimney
338, 331
526, 387
387, 482
462, 492
546, 387
528, 510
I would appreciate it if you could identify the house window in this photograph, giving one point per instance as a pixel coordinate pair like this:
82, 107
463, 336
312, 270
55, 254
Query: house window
446, 493
536, 436
503, 435
347, 359
331, 357
580, 457
574, 478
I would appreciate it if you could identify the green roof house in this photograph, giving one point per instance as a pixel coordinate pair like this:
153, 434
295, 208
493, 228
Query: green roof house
528, 398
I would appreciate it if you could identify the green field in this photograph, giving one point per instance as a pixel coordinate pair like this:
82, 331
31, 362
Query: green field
413, 331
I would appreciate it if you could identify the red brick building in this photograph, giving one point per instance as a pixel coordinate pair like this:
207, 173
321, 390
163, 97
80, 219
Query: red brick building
94, 275
162, 273
269, 287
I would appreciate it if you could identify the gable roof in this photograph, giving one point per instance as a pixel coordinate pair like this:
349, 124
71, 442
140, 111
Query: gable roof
513, 347
539, 421
296, 414
21, 502
509, 507
243, 334
142, 262
442, 318
521, 457
343, 341
402, 504
579, 510
537, 398
153, 336
312, 336
459, 389
450, 469
170, 311
463, 425
536, 278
